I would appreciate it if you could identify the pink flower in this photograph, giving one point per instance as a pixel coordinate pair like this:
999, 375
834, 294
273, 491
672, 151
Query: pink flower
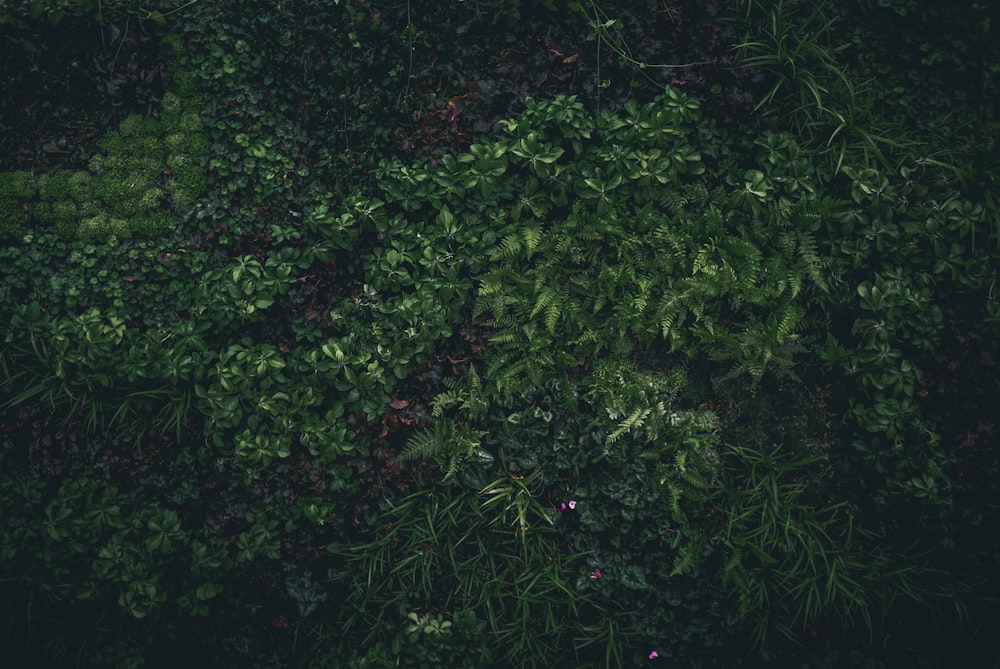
572, 504
653, 655
595, 574
562, 507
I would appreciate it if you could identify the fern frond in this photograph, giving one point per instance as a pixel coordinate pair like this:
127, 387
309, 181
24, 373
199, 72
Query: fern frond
680, 461
454, 462
703, 258
670, 327
545, 298
733, 572
503, 337
508, 249
552, 314
450, 446
787, 241
532, 236
695, 480
688, 556
786, 320
468, 395
475, 383
589, 336
674, 494
812, 264
445, 399
634, 420
426, 444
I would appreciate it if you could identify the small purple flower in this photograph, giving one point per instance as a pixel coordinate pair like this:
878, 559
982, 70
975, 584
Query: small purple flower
596, 573
653, 655
562, 507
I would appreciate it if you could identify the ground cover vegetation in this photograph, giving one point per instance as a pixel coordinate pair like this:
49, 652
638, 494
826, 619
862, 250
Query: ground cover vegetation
498, 334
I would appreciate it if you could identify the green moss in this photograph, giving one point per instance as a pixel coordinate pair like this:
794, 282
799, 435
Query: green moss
112, 167
171, 105
175, 42
123, 180
12, 219
197, 146
90, 208
96, 163
112, 142
55, 186
175, 142
171, 110
153, 224
52, 212
177, 162
192, 181
80, 186
171, 123
111, 185
43, 212
66, 229
140, 126
18, 185
99, 228
16, 189
186, 84
187, 173
191, 122
183, 82
182, 200
151, 200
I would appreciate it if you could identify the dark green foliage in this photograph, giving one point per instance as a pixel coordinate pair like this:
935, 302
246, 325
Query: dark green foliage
449, 444
94, 544
698, 425
15, 189
629, 508
704, 269
793, 563
487, 555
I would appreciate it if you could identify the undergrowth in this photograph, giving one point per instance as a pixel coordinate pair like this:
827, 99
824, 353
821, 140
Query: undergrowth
604, 388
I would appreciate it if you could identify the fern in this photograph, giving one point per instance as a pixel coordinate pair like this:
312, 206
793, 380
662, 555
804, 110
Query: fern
695, 479
468, 395
455, 461
427, 444
674, 496
634, 421
544, 302
708, 273
448, 445
689, 556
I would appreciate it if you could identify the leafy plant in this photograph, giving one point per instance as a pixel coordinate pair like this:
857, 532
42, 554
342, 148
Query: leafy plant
448, 549
793, 47
795, 563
